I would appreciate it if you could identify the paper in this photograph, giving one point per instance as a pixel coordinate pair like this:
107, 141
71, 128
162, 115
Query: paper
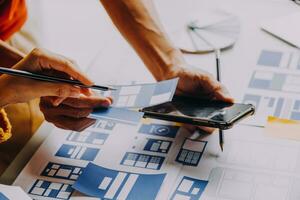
283, 128
118, 114
62, 159
274, 87
142, 95
112, 184
284, 28
12, 192
226, 183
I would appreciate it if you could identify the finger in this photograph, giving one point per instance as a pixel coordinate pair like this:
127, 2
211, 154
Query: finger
88, 102
55, 89
63, 110
71, 123
215, 89
222, 94
50, 60
58, 101
86, 91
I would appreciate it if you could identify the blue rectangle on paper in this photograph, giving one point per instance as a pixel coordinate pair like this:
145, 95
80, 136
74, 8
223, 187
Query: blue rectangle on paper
252, 99
297, 105
88, 137
270, 58
295, 116
112, 184
3, 197
193, 189
271, 101
165, 87
162, 130
62, 171
142, 161
260, 84
51, 189
118, 114
190, 157
279, 107
155, 145
105, 124
144, 97
77, 152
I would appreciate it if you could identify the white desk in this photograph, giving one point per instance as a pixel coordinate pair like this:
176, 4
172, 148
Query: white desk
86, 24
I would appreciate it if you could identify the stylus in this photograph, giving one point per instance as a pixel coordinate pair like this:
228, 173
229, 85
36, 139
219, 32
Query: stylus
221, 134
40, 77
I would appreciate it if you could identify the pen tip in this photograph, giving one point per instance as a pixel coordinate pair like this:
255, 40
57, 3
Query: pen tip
222, 148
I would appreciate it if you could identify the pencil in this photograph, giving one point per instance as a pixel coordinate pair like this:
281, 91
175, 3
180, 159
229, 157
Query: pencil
40, 77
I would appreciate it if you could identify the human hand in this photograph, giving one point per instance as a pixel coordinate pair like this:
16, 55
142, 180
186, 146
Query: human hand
72, 113
199, 84
17, 89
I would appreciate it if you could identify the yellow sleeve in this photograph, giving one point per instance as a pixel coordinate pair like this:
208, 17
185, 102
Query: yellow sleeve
5, 126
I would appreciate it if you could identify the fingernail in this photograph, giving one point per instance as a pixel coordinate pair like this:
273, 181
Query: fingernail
57, 102
106, 103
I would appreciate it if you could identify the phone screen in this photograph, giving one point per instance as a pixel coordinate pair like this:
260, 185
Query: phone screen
195, 109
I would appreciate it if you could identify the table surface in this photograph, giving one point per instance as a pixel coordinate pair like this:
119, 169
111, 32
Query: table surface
93, 26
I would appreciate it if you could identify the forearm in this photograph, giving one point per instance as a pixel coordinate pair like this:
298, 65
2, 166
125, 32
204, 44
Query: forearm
9, 56
138, 23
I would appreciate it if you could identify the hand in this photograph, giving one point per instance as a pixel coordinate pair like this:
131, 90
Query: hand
16, 89
199, 84
72, 113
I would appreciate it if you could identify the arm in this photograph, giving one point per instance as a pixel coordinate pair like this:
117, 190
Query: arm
139, 24
9, 55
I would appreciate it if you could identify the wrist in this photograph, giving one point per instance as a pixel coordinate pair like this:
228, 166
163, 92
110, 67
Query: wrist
173, 67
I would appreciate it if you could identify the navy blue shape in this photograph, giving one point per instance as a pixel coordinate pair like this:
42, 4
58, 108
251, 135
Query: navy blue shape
51, 167
146, 186
189, 157
89, 153
194, 192
54, 193
159, 130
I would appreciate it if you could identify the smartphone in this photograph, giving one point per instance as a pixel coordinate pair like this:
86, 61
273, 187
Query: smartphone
198, 112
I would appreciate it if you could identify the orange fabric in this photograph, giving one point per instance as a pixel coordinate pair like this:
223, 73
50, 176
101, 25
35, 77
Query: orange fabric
5, 126
13, 14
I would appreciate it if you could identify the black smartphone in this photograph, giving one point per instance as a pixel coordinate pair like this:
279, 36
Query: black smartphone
200, 112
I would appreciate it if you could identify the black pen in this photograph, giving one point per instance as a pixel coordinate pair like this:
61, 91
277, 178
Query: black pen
217, 54
40, 77
221, 134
